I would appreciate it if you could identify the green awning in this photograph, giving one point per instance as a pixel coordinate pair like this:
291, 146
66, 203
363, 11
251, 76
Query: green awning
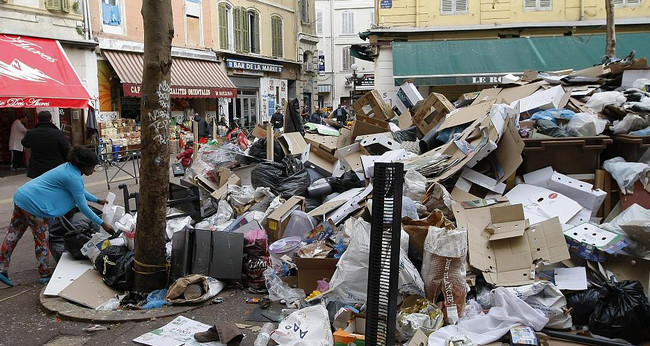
484, 61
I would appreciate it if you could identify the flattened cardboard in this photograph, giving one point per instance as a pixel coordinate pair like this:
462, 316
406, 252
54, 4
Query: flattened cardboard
89, 290
542, 204
379, 144
507, 222
509, 262
292, 143
372, 105
328, 143
368, 126
311, 270
259, 131
509, 95
66, 271
405, 120
432, 111
277, 221
486, 95
326, 208
508, 153
482, 180
466, 115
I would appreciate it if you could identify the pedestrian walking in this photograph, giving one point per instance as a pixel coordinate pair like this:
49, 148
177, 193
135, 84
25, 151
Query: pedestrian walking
277, 119
18, 131
316, 117
51, 195
341, 115
49, 146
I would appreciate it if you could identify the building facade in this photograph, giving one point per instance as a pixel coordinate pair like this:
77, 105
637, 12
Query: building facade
338, 23
451, 46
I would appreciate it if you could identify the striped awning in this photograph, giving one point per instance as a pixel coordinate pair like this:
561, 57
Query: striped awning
190, 78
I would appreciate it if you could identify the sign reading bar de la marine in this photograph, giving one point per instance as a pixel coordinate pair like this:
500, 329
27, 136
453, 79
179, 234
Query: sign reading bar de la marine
134, 90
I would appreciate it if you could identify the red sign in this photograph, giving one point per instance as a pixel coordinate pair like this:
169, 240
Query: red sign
181, 92
35, 72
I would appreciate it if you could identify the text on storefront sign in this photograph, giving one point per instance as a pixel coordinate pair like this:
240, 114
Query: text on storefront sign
253, 66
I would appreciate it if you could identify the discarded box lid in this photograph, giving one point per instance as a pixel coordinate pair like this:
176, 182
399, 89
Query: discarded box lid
372, 105
431, 112
587, 240
507, 222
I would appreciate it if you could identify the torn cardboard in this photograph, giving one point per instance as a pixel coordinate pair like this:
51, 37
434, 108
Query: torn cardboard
542, 204
293, 143
310, 270
367, 126
379, 144
507, 222
372, 105
466, 115
589, 241
431, 112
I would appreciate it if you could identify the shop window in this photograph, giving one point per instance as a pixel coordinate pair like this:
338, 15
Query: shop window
626, 3
225, 26
254, 31
111, 14
319, 22
241, 30
347, 60
538, 5
276, 36
348, 23
58, 5
451, 7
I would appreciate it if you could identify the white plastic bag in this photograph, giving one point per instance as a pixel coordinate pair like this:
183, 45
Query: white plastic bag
280, 290
585, 124
415, 185
626, 173
306, 327
239, 196
546, 297
177, 224
629, 123
92, 248
598, 101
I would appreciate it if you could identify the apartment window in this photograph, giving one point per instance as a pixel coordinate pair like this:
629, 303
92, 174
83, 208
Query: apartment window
241, 29
626, 3
451, 7
193, 22
348, 23
28, 3
319, 22
304, 11
254, 31
538, 5
347, 60
58, 5
276, 36
225, 26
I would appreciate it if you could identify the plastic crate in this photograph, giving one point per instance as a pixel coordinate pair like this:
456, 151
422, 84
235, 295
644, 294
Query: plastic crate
567, 155
631, 148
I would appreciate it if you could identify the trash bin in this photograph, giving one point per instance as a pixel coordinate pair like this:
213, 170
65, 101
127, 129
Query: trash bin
116, 152
629, 147
567, 155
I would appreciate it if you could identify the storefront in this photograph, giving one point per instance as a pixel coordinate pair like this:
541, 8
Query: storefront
36, 75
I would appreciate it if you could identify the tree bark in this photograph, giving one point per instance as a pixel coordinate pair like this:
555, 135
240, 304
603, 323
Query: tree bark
150, 262
610, 50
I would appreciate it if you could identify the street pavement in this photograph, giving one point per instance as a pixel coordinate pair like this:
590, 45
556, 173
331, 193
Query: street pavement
25, 322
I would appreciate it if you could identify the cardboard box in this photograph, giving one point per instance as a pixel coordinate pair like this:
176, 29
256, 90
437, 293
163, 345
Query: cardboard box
277, 221
509, 262
466, 115
507, 222
473, 177
542, 204
367, 126
321, 160
345, 138
259, 131
406, 97
372, 105
311, 270
432, 111
508, 152
590, 242
555, 97
350, 157
379, 144
292, 143
327, 143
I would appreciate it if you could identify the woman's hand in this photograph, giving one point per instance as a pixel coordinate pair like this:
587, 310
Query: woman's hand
108, 228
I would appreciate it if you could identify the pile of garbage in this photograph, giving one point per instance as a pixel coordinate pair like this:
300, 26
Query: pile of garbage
493, 245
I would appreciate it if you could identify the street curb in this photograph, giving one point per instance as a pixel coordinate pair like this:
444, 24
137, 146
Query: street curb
75, 312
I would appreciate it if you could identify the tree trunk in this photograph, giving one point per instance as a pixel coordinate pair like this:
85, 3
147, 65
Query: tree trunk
610, 50
150, 262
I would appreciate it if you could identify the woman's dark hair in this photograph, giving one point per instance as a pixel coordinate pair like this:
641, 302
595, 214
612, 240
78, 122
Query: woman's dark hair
82, 157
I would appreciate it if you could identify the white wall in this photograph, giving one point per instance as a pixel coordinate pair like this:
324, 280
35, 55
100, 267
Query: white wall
384, 82
84, 62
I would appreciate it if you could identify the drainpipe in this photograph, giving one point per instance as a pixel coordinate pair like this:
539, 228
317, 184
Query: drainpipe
87, 21
582, 10
417, 10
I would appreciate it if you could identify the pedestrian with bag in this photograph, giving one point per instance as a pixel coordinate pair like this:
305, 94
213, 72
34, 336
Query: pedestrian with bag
51, 195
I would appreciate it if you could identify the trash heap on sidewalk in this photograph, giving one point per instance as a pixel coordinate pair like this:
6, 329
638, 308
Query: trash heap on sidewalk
517, 220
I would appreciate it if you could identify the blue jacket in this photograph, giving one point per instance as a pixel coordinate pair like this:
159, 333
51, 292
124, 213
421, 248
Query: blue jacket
55, 193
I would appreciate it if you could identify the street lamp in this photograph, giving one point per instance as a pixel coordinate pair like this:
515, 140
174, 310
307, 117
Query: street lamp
354, 68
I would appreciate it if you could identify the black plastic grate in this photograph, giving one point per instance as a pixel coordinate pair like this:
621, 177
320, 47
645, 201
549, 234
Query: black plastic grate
383, 272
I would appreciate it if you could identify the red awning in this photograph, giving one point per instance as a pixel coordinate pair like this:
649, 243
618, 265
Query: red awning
35, 72
190, 78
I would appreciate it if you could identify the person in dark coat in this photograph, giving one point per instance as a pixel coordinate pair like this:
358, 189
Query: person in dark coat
277, 119
316, 117
49, 146
341, 115
204, 130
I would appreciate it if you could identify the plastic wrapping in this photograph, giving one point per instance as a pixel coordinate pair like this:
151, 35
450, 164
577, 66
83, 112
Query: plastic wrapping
257, 258
443, 269
239, 196
299, 224
546, 297
549, 128
598, 101
306, 327
585, 124
621, 312
415, 185
553, 114
631, 122
418, 313
115, 264
177, 224
626, 173
280, 290
93, 247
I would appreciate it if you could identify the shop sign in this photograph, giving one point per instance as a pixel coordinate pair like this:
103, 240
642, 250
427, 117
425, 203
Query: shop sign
135, 90
321, 64
20, 102
386, 3
367, 80
252, 66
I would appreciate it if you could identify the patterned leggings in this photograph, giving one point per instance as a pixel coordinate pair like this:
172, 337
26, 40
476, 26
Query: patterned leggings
20, 220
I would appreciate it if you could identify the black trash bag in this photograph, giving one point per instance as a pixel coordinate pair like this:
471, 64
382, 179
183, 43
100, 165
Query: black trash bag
292, 119
294, 185
56, 242
115, 264
349, 180
582, 304
273, 175
621, 312
258, 150
78, 231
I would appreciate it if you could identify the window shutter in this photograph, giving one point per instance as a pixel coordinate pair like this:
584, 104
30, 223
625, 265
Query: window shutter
53, 5
530, 5
460, 6
319, 23
65, 6
245, 36
545, 4
280, 45
237, 28
348, 23
255, 27
618, 2
276, 27
345, 57
223, 26
447, 6
633, 2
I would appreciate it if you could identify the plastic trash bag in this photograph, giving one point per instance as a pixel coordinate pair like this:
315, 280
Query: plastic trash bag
553, 114
257, 257
156, 299
621, 312
443, 269
546, 297
239, 196
306, 327
258, 150
549, 128
415, 185
300, 223
626, 173
598, 101
271, 175
585, 124
582, 304
115, 264
417, 313
93, 247
630, 122
177, 224
210, 286
409, 209
280, 290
